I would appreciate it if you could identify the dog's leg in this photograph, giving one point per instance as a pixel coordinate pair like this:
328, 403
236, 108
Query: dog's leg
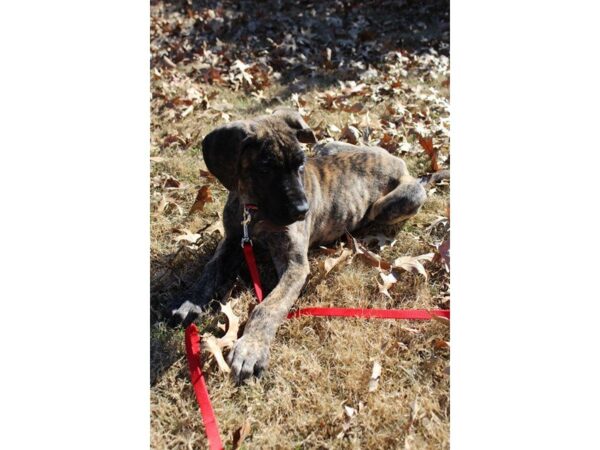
250, 354
400, 204
217, 277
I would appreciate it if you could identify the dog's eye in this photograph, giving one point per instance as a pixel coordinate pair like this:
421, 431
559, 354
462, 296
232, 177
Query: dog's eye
301, 168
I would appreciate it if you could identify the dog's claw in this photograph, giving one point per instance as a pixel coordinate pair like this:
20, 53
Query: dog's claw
249, 356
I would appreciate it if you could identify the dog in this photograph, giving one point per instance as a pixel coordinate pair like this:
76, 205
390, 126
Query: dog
301, 202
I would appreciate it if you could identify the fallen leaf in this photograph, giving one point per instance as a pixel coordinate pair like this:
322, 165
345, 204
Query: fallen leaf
331, 129
211, 345
241, 434
350, 412
443, 254
172, 183
188, 111
413, 263
375, 374
388, 281
164, 203
207, 174
217, 226
368, 256
441, 344
215, 345
203, 196
355, 108
190, 237
427, 144
352, 88
157, 159
350, 134
233, 328
170, 63
331, 262
327, 251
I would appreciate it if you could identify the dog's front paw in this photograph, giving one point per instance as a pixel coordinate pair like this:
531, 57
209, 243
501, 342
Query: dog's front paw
249, 356
184, 314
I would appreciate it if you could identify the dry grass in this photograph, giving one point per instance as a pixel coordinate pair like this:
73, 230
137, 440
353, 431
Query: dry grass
318, 365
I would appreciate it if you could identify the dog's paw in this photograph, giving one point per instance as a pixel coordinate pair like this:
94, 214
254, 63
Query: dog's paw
184, 314
249, 356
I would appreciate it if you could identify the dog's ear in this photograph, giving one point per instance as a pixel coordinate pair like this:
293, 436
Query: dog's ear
296, 122
222, 148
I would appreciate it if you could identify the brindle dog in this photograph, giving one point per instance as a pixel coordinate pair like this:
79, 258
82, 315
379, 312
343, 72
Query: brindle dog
301, 202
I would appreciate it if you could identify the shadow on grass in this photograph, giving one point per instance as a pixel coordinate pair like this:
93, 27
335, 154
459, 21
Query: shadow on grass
309, 44
173, 277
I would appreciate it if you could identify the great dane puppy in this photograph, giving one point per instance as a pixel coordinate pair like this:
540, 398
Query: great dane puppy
300, 202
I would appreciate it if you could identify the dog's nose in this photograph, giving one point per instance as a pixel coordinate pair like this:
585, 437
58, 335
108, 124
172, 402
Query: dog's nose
299, 209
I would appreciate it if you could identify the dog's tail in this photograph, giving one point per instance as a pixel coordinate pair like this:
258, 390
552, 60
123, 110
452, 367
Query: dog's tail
433, 178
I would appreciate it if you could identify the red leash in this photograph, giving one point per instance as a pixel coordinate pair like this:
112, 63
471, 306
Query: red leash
371, 313
192, 339
192, 348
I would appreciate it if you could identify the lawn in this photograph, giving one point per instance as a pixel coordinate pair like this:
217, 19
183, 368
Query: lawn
373, 72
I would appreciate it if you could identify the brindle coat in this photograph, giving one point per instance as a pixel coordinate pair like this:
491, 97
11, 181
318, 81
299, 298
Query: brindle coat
301, 202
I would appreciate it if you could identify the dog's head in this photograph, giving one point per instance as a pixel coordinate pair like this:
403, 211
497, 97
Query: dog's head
262, 159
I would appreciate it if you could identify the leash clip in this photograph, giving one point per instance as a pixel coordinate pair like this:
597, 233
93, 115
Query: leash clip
247, 217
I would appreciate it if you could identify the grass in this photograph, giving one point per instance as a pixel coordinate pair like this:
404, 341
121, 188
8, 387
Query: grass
318, 365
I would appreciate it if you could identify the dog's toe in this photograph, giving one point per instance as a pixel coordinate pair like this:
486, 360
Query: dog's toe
248, 357
185, 314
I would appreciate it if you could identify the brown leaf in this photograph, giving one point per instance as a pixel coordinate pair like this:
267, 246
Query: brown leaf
443, 254
427, 144
212, 75
330, 263
172, 139
441, 344
207, 174
357, 107
172, 183
368, 256
241, 434
203, 196
413, 263
350, 134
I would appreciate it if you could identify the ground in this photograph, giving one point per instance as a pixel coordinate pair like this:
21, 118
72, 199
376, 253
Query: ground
369, 72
